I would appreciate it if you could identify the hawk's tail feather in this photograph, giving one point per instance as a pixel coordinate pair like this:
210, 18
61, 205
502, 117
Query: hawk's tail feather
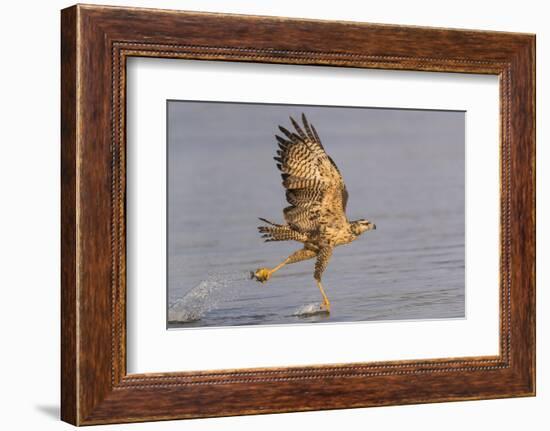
269, 222
277, 232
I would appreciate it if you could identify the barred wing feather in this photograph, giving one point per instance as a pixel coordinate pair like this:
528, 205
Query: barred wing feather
314, 186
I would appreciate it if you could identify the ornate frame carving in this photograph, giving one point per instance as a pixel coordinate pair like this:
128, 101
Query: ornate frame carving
96, 41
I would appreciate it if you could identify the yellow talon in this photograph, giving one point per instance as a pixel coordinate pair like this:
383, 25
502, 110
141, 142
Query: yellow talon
262, 274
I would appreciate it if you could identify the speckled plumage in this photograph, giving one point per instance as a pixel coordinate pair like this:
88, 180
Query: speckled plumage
315, 189
317, 196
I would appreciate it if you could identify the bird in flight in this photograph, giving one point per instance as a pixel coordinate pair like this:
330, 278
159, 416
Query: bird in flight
316, 216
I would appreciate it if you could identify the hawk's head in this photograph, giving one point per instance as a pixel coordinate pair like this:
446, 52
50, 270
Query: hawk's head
361, 225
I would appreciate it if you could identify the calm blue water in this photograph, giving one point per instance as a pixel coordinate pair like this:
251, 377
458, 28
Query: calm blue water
404, 170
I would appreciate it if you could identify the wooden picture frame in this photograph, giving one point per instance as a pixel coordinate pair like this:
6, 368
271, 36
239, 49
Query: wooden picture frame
95, 43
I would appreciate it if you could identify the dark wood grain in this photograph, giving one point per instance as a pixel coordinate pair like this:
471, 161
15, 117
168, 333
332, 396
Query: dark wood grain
96, 41
69, 398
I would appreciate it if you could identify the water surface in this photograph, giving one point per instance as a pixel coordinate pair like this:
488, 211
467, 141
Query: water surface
404, 170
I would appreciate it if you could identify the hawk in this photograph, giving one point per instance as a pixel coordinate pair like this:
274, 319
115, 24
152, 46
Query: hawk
316, 216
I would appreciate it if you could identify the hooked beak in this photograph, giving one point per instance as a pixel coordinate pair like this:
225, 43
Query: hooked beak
373, 226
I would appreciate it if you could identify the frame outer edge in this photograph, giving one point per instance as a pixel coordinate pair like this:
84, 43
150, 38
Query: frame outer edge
69, 411
532, 101
533, 54
530, 63
88, 396
523, 216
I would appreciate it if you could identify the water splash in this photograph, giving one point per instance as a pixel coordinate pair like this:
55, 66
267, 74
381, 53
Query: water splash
312, 309
206, 296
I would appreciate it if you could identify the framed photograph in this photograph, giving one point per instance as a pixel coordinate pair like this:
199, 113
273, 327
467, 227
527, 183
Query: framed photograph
264, 214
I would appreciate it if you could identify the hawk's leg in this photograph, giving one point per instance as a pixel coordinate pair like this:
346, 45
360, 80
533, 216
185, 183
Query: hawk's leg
263, 274
322, 261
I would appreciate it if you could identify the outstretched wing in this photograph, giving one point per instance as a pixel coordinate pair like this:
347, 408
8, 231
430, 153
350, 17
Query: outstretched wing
314, 186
